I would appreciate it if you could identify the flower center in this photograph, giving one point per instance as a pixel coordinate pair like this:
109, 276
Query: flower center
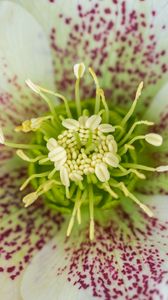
84, 148
84, 154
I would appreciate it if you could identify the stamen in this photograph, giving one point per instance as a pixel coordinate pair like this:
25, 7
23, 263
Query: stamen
97, 102
79, 70
72, 219
132, 197
37, 90
32, 177
126, 172
30, 198
24, 156
91, 210
138, 166
109, 190
130, 112
132, 129
102, 97
68, 112
24, 146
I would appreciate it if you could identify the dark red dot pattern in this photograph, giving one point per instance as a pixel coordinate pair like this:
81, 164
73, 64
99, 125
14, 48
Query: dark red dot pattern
127, 260
120, 40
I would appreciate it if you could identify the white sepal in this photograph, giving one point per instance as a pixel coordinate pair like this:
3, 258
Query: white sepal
102, 172
79, 70
106, 128
111, 159
154, 139
64, 176
2, 139
70, 124
52, 144
162, 169
93, 122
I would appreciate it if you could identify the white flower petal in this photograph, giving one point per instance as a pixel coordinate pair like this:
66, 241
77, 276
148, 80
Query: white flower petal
111, 159
70, 124
52, 144
154, 139
106, 128
79, 70
24, 52
78, 269
64, 176
102, 172
19, 227
93, 122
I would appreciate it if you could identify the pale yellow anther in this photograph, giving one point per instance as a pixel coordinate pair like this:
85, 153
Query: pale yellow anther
32, 86
102, 172
30, 198
24, 127
79, 70
154, 139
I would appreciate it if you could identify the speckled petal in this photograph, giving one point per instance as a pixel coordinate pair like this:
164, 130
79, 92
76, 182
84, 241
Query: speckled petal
24, 53
23, 232
124, 41
127, 260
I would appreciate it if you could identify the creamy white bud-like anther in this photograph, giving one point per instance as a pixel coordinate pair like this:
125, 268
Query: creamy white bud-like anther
30, 198
93, 122
102, 172
57, 154
79, 70
52, 144
32, 86
162, 169
64, 176
82, 120
111, 159
75, 177
154, 139
70, 124
106, 128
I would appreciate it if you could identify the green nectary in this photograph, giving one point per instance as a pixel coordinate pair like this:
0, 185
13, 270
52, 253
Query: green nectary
85, 153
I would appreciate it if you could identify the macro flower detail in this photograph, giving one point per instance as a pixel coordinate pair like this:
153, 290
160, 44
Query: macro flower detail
65, 234
85, 155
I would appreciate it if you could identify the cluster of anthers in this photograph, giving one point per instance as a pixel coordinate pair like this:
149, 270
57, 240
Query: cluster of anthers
83, 155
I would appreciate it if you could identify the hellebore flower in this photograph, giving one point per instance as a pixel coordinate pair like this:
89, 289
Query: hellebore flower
94, 225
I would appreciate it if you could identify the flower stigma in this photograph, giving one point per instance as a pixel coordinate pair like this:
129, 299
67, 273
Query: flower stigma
84, 154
